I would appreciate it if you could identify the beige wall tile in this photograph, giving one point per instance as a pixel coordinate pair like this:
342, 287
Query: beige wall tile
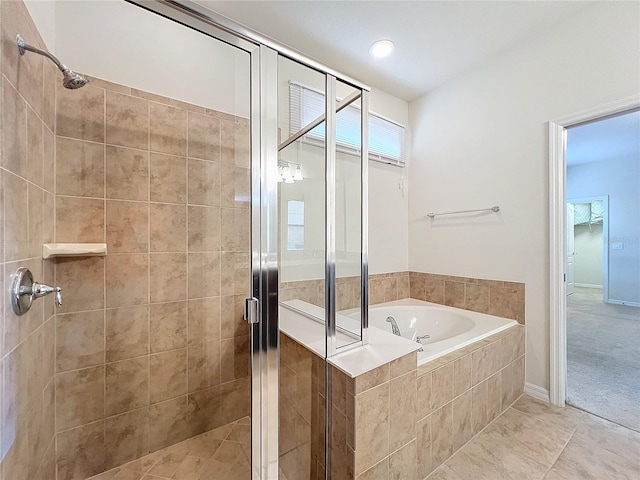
477, 297
518, 377
403, 464
80, 168
462, 420
36, 220
127, 279
82, 283
503, 302
423, 389
167, 423
479, 409
34, 160
127, 120
14, 131
168, 326
403, 365
127, 227
371, 379
204, 137
80, 397
380, 471
168, 178
167, 224
127, 385
80, 113
442, 386
168, 272
204, 184
454, 294
423, 447
167, 375
204, 320
127, 173
198, 378
204, 275
16, 224
442, 434
79, 340
236, 229
494, 396
81, 452
434, 289
79, 220
232, 323
235, 186
204, 229
372, 427
127, 332
462, 375
126, 437
228, 142
402, 412
234, 273
168, 127
234, 358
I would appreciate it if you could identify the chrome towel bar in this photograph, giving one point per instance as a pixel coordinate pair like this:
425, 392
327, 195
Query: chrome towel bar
492, 209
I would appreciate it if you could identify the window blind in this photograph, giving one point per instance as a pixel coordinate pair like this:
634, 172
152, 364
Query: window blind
386, 139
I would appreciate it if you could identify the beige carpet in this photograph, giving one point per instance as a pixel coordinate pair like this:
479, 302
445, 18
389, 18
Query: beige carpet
603, 363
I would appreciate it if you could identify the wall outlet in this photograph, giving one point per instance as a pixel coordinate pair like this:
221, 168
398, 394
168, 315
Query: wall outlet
617, 246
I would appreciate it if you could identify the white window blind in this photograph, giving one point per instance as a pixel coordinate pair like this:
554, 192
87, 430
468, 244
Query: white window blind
386, 139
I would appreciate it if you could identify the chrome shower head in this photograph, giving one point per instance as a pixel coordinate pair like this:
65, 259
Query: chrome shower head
71, 80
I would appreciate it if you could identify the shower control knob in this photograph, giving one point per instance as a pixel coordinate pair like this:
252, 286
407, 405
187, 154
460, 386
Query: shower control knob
24, 290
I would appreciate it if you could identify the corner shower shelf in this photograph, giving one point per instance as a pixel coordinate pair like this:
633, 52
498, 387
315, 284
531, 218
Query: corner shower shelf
50, 250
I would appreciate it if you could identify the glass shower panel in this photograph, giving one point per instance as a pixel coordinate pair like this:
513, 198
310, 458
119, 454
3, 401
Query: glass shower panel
348, 217
302, 273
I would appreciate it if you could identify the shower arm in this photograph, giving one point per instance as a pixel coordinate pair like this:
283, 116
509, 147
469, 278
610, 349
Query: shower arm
23, 46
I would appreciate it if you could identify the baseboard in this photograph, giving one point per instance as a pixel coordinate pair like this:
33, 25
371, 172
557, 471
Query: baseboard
621, 302
537, 392
588, 285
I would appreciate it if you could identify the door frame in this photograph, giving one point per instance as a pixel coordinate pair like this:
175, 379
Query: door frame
557, 236
605, 238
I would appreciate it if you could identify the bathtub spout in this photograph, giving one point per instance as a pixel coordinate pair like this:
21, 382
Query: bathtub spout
419, 339
394, 326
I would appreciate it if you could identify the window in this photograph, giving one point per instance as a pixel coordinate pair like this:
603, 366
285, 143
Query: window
386, 139
295, 225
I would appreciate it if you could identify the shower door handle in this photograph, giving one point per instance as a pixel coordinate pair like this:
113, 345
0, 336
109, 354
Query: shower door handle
251, 310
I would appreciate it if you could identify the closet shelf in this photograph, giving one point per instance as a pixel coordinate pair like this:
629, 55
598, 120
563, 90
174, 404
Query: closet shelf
50, 250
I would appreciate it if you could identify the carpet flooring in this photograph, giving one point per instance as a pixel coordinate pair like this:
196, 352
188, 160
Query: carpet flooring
603, 363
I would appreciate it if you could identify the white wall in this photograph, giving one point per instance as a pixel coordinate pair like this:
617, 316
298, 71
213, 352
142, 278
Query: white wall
588, 258
117, 41
620, 179
482, 140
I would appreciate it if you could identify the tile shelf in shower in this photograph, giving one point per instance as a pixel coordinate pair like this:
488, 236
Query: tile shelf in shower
50, 250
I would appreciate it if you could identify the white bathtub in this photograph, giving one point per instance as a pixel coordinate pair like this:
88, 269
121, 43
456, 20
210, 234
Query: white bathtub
449, 328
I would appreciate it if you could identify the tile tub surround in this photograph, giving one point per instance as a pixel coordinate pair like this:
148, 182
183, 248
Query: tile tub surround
151, 347
495, 297
27, 386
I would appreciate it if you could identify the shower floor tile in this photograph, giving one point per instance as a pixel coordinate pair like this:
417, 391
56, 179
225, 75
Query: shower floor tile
220, 454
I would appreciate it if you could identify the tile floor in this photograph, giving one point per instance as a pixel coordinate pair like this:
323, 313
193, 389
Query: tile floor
221, 454
533, 440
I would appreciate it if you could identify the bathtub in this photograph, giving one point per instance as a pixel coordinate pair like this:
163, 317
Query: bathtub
449, 328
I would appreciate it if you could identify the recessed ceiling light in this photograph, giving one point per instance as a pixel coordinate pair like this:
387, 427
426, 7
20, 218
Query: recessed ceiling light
382, 48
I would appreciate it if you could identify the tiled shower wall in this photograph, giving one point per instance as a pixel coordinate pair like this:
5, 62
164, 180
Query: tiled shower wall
151, 346
27, 386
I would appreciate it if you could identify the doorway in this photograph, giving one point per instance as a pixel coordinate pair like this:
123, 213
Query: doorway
594, 310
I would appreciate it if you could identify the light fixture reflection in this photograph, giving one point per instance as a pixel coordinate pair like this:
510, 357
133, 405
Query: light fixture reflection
298, 175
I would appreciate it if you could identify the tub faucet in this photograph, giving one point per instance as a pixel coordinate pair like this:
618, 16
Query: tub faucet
394, 326
419, 339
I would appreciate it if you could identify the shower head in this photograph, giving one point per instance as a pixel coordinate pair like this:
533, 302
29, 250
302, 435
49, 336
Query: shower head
71, 79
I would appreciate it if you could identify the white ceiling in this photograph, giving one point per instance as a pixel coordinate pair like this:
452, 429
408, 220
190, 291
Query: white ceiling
435, 40
609, 139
